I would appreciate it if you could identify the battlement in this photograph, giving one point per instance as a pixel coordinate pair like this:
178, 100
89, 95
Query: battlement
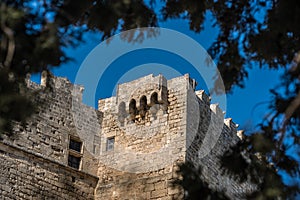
147, 95
132, 143
135, 98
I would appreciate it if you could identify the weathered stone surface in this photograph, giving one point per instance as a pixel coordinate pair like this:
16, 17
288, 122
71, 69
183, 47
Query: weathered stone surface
155, 124
25, 175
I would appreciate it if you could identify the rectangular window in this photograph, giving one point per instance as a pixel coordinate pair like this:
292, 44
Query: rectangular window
110, 144
97, 142
74, 161
75, 154
75, 145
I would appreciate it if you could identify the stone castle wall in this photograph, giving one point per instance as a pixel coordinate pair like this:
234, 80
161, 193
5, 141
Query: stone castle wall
149, 139
155, 137
27, 176
34, 161
131, 145
211, 137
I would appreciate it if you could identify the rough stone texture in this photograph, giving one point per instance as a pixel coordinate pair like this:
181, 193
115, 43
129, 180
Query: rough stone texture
156, 123
28, 176
34, 162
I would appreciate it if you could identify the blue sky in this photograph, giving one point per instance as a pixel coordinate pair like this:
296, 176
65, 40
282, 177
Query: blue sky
246, 106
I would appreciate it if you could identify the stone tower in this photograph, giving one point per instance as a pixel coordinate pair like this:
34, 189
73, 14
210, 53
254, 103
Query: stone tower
127, 149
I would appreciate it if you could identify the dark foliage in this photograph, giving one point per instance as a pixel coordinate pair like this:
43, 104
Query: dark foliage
256, 32
194, 186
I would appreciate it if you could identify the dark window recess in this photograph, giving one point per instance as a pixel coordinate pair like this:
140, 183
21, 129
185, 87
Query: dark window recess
110, 144
74, 161
75, 145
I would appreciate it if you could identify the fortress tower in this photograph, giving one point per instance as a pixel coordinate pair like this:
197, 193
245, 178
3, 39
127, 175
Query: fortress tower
127, 149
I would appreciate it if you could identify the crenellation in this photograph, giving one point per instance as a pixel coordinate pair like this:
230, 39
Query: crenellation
217, 110
240, 134
230, 124
107, 105
203, 96
127, 149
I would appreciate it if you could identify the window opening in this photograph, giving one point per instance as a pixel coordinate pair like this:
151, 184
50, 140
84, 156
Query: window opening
74, 158
110, 144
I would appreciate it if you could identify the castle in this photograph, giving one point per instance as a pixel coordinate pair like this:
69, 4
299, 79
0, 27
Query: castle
127, 149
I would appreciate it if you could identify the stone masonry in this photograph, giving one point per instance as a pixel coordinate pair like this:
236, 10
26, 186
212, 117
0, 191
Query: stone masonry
127, 149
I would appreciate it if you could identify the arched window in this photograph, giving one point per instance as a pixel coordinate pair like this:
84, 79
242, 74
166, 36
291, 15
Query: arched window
143, 106
143, 102
154, 98
132, 109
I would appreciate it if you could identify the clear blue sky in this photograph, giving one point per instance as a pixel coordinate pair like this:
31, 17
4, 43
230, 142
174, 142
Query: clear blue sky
245, 105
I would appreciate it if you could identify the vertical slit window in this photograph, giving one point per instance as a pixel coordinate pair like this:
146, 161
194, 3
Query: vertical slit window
110, 144
154, 98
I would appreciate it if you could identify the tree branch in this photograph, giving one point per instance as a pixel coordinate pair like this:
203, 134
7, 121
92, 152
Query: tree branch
295, 104
10, 35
